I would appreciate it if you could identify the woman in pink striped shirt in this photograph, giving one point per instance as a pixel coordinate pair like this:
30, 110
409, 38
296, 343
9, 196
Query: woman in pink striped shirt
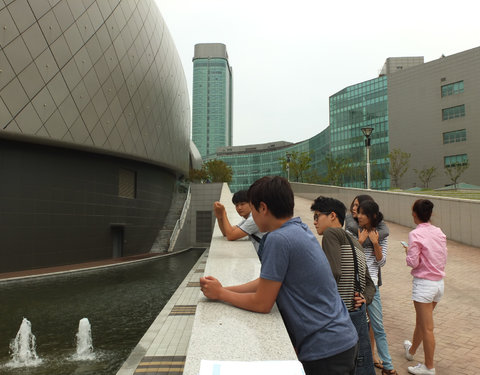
427, 255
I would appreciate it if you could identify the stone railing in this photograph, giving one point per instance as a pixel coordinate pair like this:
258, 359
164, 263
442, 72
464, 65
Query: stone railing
458, 218
223, 332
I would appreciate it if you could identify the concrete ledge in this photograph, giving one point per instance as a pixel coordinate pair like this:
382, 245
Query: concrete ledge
223, 332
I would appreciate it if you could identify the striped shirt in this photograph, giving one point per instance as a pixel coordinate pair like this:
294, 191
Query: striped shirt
372, 263
351, 226
340, 256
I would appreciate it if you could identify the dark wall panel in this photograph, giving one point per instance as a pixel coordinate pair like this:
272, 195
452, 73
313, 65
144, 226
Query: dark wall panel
59, 206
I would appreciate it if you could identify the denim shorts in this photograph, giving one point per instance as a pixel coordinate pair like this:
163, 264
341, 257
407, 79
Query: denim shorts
427, 291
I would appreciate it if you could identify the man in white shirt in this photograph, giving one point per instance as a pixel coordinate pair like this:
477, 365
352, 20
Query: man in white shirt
246, 227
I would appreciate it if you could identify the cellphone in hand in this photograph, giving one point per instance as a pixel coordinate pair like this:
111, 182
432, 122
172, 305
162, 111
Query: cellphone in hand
404, 244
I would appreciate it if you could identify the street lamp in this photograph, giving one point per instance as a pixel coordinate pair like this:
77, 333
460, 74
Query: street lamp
288, 165
367, 131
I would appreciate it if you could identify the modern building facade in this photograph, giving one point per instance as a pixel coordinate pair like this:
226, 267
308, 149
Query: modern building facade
361, 105
212, 100
434, 115
252, 162
94, 130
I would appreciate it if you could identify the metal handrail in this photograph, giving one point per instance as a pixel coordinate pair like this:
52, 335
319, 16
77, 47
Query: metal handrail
179, 224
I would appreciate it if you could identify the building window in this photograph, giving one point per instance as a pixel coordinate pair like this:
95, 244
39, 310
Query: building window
127, 184
452, 160
455, 136
452, 88
453, 112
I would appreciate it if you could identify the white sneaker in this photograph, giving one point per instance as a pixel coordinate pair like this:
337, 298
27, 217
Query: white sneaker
421, 369
407, 345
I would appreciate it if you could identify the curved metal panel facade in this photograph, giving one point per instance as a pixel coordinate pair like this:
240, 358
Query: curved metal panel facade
94, 74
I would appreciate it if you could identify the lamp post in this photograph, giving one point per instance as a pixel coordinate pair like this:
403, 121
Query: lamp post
367, 131
288, 166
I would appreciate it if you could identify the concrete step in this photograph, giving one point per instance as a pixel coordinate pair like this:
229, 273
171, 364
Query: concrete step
162, 242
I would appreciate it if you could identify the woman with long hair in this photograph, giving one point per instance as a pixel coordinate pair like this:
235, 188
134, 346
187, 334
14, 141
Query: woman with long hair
427, 255
351, 226
369, 217
351, 220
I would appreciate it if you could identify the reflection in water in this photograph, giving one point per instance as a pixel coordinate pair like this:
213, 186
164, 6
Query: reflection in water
121, 303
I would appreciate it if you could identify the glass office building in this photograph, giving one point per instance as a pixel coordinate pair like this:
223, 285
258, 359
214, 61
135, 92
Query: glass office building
354, 107
319, 148
252, 162
212, 98
357, 106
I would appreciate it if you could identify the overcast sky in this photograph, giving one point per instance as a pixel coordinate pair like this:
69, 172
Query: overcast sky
288, 57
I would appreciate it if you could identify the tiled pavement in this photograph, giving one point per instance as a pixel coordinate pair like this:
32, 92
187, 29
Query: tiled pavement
457, 316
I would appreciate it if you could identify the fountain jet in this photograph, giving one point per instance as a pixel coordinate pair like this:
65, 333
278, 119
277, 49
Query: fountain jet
84, 341
23, 347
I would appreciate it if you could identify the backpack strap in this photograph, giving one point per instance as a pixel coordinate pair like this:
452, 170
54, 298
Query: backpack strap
358, 286
255, 237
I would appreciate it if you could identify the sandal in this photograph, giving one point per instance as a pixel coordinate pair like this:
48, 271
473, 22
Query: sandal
378, 365
389, 372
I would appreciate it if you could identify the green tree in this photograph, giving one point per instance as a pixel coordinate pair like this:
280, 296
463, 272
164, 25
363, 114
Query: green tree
425, 175
198, 175
455, 171
312, 177
299, 164
399, 161
218, 171
337, 168
212, 171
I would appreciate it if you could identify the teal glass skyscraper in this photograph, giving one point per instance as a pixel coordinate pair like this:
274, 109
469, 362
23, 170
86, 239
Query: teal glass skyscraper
212, 98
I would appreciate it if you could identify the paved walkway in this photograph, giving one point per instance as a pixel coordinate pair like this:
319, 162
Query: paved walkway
163, 348
457, 316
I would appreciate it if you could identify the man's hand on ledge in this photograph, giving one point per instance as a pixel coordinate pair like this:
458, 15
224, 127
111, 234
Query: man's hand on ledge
258, 295
210, 287
218, 210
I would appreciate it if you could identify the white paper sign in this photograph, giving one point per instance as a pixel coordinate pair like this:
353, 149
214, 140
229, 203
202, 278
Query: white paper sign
251, 368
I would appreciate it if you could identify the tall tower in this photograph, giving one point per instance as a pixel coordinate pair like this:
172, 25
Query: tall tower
212, 98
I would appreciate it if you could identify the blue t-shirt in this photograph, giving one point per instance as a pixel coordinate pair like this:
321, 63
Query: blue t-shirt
314, 314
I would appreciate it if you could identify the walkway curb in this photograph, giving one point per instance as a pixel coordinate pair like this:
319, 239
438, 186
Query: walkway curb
163, 348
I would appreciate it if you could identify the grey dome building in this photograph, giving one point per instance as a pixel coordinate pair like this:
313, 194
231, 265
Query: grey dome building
94, 129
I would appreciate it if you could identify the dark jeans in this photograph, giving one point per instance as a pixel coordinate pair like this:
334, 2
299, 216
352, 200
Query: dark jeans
364, 358
339, 364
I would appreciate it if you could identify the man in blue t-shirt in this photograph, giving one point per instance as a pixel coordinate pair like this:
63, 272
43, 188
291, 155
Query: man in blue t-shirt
296, 274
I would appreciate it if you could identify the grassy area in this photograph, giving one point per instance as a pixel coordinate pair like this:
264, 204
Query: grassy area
464, 194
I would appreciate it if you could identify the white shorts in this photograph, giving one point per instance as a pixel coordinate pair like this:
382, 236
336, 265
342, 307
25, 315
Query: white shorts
427, 291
